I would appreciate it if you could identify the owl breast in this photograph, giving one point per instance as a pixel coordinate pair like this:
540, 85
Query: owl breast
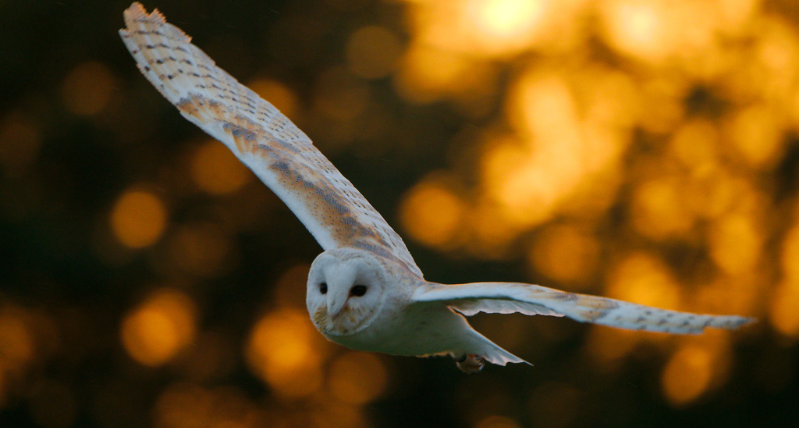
397, 332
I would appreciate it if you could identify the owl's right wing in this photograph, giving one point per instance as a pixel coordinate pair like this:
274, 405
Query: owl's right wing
281, 155
528, 299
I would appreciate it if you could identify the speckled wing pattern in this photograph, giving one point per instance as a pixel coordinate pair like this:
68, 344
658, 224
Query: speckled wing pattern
501, 297
265, 140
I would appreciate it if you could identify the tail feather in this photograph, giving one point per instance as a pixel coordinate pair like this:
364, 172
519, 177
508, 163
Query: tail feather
492, 352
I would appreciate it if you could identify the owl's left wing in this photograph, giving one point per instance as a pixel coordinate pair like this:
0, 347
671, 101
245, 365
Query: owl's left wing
265, 140
528, 299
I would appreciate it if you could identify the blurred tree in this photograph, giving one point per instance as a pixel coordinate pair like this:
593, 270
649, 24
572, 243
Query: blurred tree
645, 150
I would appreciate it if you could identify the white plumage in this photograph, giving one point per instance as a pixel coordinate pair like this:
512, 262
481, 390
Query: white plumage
364, 291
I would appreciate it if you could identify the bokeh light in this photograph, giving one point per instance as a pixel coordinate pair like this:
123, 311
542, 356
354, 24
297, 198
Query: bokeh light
495, 421
687, 374
431, 213
285, 350
644, 150
138, 218
644, 279
21, 140
565, 254
357, 378
159, 328
88, 88
277, 94
17, 347
217, 171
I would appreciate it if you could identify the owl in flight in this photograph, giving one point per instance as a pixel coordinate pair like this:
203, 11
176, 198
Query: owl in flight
364, 291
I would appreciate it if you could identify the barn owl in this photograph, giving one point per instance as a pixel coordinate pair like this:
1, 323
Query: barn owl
364, 290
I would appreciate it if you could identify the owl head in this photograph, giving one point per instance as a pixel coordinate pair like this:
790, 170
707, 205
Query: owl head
345, 291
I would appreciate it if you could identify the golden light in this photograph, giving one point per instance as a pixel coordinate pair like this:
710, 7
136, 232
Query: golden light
138, 218
432, 213
496, 421
757, 134
785, 299
216, 170
337, 415
159, 328
711, 192
687, 375
777, 51
496, 29
357, 378
21, 140
87, 88
490, 235
695, 143
611, 98
662, 101
644, 279
565, 253
735, 243
427, 74
17, 343
658, 211
553, 156
735, 14
187, 405
634, 27
789, 256
541, 101
506, 18
504, 26
783, 312
285, 350
640, 278
183, 405
607, 346
277, 94
372, 52
500, 156
529, 194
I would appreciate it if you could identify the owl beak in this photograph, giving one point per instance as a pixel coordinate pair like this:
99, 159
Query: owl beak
335, 307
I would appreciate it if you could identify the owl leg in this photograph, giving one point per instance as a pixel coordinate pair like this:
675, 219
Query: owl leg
470, 363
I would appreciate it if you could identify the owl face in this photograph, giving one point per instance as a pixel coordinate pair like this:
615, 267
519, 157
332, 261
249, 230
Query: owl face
345, 291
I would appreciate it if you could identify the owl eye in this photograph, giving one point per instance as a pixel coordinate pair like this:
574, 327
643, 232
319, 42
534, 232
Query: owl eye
323, 288
358, 290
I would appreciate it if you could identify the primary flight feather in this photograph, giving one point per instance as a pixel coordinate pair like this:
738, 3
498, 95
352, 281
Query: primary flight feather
364, 291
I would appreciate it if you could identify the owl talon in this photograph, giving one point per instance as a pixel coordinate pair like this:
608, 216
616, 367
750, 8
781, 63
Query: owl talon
470, 363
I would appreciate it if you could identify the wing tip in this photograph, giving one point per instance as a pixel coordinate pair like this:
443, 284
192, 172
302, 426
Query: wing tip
732, 322
137, 13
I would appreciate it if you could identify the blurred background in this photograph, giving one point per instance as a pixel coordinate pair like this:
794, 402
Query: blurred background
639, 149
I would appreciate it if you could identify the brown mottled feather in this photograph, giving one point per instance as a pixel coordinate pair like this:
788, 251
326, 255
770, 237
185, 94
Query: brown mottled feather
502, 297
281, 155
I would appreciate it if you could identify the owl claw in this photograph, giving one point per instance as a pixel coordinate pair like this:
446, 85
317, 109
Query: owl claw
470, 363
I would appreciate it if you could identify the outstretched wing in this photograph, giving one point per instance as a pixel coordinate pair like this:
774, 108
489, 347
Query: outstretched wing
502, 297
281, 155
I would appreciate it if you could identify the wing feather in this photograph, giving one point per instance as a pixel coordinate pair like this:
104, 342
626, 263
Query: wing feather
280, 154
501, 297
